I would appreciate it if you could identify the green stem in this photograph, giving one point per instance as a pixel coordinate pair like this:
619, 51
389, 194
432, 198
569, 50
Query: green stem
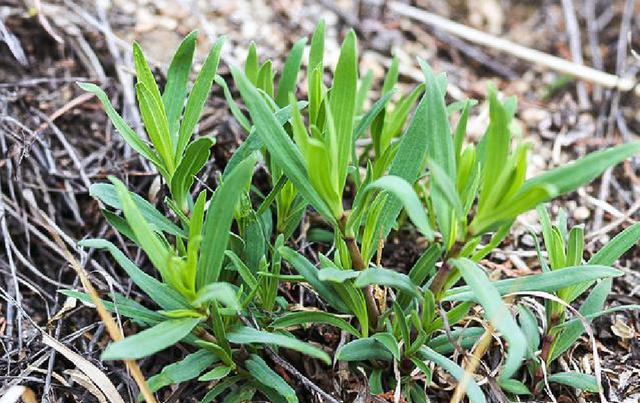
358, 264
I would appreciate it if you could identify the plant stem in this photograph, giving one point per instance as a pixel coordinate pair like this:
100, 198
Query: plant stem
358, 264
442, 275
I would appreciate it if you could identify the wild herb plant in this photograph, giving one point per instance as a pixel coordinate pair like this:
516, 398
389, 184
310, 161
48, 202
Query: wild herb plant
222, 258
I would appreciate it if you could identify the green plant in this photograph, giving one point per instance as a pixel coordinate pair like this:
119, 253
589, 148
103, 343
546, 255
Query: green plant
223, 259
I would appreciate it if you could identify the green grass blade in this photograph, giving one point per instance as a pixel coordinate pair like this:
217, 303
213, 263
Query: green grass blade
145, 76
403, 192
281, 148
163, 295
246, 335
195, 157
175, 91
155, 122
131, 137
497, 312
151, 340
473, 391
547, 282
289, 77
198, 96
304, 317
107, 194
268, 377
389, 278
343, 102
218, 222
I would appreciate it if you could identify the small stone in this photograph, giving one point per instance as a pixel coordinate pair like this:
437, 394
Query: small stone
581, 213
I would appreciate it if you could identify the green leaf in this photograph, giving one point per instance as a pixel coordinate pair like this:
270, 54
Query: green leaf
473, 391
198, 96
364, 349
593, 304
220, 292
498, 139
218, 222
155, 122
220, 388
343, 102
547, 282
616, 247
337, 275
571, 176
245, 273
403, 192
289, 76
251, 64
281, 148
107, 194
303, 317
253, 142
371, 114
184, 370
514, 386
215, 374
125, 131
440, 149
196, 156
316, 53
310, 273
389, 342
497, 312
575, 380
123, 306
529, 325
175, 91
268, 377
246, 335
163, 295
465, 337
151, 340
149, 241
145, 77
390, 278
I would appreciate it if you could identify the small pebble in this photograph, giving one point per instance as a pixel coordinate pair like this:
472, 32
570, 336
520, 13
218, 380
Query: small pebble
581, 213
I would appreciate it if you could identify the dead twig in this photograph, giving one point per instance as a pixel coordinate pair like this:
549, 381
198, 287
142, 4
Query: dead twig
531, 55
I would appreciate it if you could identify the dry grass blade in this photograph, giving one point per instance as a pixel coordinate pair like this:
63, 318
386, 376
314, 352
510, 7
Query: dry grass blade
15, 393
531, 55
110, 324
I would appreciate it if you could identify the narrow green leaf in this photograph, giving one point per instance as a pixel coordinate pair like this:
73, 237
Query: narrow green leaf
163, 295
215, 374
184, 370
195, 157
571, 176
304, 317
107, 194
155, 122
125, 131
220, 292
150, 341
403, 192
310, 273
473, 391
218, 221
514, 386
575, 380
289, 76
364, 349
337, 275
343, 102
245, 335
251, 64
198, 96
280, 146
547, 282
390, 278
175, 91
497, 312
145, 77
268, 377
